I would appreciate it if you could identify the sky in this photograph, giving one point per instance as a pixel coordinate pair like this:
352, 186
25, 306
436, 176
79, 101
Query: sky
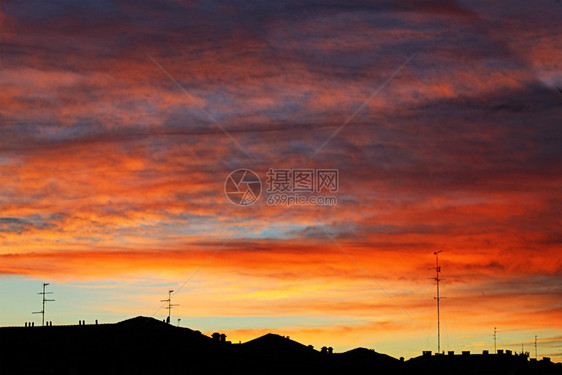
120, 122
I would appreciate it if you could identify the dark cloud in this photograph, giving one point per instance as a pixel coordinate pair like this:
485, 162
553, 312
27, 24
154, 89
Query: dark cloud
20, 225
14, 225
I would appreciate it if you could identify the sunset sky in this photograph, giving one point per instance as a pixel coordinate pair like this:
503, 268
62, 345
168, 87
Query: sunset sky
121, 120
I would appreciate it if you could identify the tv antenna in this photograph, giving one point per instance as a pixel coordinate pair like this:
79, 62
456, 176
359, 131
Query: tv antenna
438, 298
44, 294
495, 341
536, 357
170, 305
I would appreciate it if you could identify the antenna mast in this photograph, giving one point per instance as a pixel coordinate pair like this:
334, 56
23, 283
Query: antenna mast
536, 357
44, 294
495, 336
437, 279
170, 305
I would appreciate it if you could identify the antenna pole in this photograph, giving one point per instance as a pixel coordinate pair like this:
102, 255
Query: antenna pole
495, 337
170, 305
536, 357
44, 294
437, 279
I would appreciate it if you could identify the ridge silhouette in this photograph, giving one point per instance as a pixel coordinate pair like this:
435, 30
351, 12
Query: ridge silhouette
143, 345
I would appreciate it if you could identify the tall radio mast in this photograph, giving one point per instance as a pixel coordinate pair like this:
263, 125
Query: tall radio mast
437, 280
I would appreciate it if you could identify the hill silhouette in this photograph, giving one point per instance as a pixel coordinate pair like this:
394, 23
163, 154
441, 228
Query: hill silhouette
368, 356
272, 343
144, 345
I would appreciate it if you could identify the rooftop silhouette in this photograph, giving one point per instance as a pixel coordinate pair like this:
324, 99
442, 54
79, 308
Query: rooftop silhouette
144, 345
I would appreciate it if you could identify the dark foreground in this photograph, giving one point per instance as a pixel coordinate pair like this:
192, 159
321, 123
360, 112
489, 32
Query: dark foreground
147, 346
